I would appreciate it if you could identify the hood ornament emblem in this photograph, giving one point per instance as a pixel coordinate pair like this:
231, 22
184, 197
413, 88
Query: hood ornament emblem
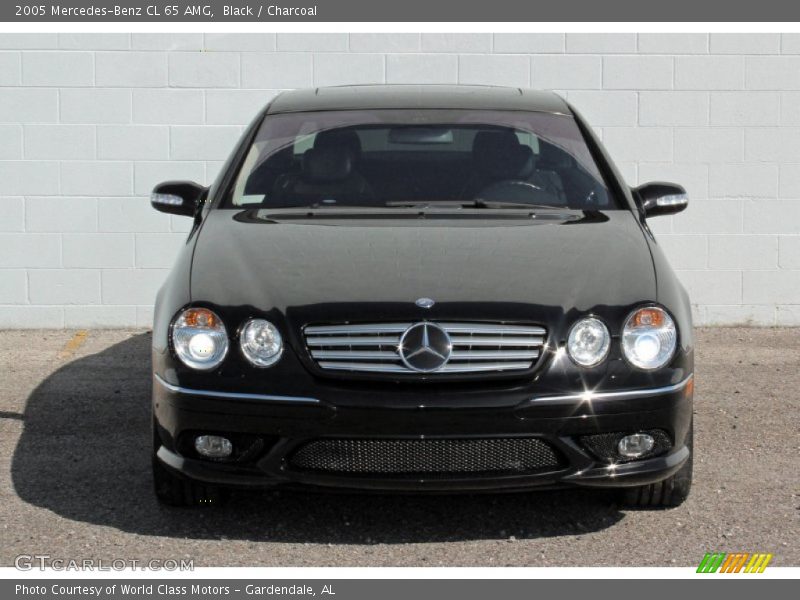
425, 302
425, 347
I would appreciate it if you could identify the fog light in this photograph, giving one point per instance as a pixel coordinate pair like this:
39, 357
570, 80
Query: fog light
213, 446
635, 445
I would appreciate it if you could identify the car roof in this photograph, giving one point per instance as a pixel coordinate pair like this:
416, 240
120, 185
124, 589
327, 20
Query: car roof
371, 97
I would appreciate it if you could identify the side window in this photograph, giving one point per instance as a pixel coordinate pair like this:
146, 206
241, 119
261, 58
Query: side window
526, 138
372, 140
303, 143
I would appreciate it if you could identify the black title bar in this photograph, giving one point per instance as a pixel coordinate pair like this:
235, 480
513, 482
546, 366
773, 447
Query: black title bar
325, 11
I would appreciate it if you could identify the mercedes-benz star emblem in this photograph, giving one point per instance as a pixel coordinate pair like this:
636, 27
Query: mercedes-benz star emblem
425, 347
425, 302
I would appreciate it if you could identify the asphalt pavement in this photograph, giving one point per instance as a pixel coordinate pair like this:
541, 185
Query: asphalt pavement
75, 478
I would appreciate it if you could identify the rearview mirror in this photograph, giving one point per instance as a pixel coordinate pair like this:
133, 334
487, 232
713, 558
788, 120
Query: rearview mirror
659, 198
177, 197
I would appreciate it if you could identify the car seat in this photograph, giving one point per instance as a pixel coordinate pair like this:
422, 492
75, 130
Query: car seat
328, 173
498, 156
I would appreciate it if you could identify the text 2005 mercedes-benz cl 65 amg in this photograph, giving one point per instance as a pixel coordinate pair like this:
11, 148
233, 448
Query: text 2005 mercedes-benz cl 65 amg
421, 289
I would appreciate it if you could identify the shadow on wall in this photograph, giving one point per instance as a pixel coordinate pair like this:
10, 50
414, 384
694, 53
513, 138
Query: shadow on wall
84, 454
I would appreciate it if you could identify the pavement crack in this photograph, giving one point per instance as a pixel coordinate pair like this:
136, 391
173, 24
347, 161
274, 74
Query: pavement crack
4, 414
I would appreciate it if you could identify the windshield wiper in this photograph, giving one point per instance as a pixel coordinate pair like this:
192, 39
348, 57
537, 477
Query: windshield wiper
477, 203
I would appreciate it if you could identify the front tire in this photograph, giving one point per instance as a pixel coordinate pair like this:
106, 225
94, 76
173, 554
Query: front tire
671, 492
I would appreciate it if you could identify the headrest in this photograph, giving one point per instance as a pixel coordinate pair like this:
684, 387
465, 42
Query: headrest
264, 173
499, 154
280, 160
327, 164
486, 141
339, 139
553, 157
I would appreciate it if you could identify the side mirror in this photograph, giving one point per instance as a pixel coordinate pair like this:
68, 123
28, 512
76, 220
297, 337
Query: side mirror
177, 197
659, 198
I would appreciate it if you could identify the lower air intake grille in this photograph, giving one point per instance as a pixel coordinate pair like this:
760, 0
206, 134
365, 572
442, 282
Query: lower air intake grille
436, 457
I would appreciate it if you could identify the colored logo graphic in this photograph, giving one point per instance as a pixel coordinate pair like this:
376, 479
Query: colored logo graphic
737, 562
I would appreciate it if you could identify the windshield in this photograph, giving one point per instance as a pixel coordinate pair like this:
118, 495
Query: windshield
385, 158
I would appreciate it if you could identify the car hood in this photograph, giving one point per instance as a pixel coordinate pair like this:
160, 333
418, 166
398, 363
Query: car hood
473, 264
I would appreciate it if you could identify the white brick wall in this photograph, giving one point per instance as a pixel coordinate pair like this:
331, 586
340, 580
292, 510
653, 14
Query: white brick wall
90, 122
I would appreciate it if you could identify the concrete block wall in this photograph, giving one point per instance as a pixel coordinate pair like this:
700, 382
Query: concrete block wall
89, 122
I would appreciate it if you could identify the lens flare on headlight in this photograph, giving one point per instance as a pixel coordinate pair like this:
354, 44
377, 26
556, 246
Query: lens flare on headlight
649, 338
199, 339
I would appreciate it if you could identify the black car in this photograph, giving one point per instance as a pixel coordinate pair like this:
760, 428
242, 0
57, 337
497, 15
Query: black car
421, 289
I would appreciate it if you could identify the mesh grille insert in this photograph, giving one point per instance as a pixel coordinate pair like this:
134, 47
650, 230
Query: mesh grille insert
434, 457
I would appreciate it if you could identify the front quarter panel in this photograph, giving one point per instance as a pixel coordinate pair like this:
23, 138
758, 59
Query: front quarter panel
670, 292
672, 295
173, 295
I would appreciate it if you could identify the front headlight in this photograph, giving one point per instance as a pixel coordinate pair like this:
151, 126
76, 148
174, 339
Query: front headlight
199, 339
261, 342
649, 338
588, 342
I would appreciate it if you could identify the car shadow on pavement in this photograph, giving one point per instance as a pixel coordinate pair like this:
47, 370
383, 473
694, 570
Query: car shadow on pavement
84, 454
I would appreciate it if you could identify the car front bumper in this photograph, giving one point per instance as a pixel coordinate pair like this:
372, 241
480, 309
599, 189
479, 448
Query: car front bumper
285, 423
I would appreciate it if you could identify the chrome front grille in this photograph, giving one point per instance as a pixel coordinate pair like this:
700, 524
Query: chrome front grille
375, 347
